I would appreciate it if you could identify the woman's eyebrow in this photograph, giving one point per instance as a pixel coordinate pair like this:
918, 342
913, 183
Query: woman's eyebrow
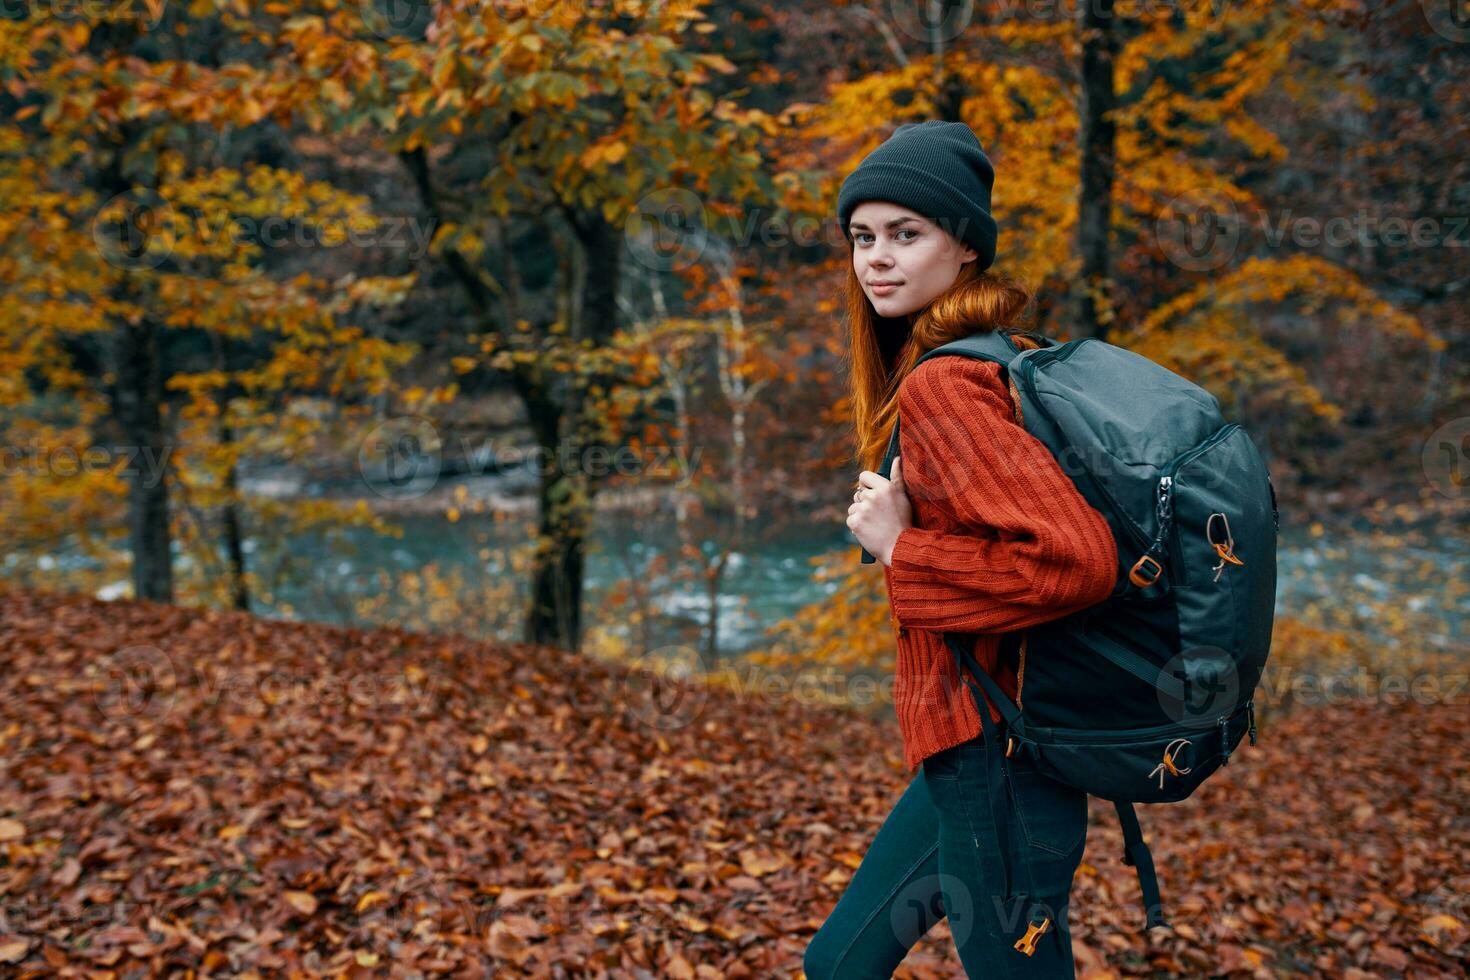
856, 226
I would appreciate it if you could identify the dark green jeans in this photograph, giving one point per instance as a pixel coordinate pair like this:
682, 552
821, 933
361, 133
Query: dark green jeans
937, 855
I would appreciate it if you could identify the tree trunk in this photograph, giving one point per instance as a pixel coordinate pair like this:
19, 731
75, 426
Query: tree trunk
557, 410
569, 486
1096, 137
234, 545
554, 617
136, 397
138, 407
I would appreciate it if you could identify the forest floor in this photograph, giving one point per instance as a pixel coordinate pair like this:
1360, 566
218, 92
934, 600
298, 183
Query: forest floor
186, 790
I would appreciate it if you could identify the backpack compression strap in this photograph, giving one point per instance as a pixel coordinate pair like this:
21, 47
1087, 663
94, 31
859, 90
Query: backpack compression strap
1136, 853
998, 790
1135, 849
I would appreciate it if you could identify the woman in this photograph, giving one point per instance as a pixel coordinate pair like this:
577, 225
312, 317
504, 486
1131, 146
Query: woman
980, 532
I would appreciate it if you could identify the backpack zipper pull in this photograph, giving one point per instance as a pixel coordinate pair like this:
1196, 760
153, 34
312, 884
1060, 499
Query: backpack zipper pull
1224, 742
1139, 575
1165, 507
1250, 710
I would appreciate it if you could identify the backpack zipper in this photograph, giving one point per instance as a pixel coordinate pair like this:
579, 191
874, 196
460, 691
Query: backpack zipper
1166, 502
1071, 736
1164, 512
1225, 432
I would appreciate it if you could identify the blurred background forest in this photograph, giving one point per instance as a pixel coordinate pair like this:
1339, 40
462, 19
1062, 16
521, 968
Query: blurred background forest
521, 319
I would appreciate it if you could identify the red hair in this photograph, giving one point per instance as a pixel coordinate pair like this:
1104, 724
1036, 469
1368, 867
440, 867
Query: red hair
882, 350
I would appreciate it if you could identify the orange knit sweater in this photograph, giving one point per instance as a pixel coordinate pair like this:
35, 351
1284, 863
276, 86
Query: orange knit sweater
1002, 541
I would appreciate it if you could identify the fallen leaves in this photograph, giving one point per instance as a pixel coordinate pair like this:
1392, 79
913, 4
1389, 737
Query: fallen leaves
760, 863
515, 820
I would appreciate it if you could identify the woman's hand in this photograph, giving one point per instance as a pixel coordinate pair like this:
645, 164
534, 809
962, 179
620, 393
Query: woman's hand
880, 511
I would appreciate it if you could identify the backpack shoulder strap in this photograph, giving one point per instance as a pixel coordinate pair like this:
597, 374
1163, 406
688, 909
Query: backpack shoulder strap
987, 345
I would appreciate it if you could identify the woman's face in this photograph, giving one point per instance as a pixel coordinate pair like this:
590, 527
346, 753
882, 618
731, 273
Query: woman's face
891, 244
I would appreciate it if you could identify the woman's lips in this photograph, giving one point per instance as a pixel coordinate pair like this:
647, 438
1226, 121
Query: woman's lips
886, 288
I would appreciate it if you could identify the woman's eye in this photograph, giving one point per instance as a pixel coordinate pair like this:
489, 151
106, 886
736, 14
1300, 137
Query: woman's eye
902, 231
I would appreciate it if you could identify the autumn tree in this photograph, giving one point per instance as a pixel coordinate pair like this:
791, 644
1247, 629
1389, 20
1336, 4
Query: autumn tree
151, 314
539, 137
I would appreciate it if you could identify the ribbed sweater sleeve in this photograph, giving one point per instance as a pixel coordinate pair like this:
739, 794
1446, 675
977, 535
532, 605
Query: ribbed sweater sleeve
1022, 546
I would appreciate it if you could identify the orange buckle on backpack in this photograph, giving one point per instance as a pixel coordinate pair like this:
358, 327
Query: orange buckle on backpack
1027, 943
1136, 577
1010, 745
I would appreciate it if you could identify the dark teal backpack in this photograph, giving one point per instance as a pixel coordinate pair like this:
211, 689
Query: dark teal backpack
1140, 698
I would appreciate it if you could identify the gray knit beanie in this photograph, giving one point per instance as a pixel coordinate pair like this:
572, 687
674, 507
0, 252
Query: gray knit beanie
937, 169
